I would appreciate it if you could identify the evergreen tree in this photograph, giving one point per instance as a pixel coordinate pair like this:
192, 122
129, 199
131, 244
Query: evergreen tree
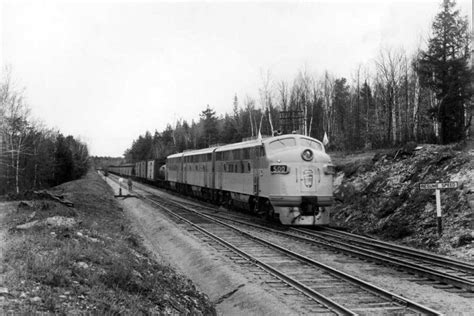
63, 167
443, 68
341, 110
209, 121
230, 134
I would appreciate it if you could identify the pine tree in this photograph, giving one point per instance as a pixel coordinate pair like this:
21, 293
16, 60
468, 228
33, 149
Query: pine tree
444, 69
209, 121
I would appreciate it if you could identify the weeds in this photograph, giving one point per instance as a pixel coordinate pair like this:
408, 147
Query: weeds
97, 266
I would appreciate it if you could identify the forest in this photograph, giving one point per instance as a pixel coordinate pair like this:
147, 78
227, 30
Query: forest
31, 155
422, 96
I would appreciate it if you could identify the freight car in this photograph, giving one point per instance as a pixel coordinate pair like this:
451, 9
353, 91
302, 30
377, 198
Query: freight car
126, 170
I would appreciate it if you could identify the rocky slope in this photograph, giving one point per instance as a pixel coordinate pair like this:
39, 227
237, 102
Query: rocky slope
380, 195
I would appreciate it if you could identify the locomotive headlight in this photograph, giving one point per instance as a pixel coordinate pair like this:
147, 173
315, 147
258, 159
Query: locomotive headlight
329, 169
307, 155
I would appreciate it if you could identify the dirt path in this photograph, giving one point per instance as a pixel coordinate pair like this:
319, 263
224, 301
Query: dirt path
232, 290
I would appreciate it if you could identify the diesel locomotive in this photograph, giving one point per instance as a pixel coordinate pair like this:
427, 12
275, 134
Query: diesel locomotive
288, 177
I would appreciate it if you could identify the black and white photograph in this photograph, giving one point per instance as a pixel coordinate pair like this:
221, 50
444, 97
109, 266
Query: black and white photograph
244, 157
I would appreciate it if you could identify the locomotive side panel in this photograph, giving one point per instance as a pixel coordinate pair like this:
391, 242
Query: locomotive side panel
198, 169
234, 169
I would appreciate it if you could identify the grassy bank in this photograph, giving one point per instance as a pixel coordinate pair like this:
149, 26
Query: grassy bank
85, 259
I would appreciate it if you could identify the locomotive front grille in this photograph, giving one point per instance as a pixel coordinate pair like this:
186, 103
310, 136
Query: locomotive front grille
285, 200
318, 200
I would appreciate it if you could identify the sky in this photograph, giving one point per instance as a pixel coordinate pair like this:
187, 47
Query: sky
108, 71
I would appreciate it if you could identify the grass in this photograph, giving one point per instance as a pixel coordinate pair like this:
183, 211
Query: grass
96, 266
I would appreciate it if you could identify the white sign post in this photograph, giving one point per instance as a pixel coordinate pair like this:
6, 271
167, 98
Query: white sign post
438, 186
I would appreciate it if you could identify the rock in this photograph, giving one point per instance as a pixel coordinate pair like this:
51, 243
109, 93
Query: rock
82, 265
3, 291
345, 192
94, 240
28, 225
338, 179
462, 240
454, 241
24, 205
79, 234
35, 299
137, 274
60, 221
23, 295
465, 240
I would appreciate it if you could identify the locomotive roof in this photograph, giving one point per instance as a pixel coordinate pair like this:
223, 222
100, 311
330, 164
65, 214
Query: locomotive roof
248, 143
245, 144
199, 151
192, 152
175, 155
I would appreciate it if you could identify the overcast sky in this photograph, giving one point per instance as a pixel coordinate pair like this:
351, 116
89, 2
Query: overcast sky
107, 71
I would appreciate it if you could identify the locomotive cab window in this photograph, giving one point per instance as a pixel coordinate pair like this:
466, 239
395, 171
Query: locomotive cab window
282, 143
311, 143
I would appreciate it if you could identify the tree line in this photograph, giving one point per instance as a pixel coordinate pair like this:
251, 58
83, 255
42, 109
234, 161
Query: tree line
31, 155
424, 96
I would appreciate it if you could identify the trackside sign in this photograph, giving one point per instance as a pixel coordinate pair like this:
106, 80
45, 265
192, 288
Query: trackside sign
438, 185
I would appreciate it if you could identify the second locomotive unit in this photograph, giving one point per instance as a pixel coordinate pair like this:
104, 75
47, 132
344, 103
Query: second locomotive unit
289, 177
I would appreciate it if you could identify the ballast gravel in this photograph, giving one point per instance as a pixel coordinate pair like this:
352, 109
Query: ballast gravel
236, 291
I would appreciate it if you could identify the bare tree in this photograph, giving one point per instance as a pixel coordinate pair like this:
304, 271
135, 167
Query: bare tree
390, 67
283, 93
14, 127
328, 97
266, 97
250, 105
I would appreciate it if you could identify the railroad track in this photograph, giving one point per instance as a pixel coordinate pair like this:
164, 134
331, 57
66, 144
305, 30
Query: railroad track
331, 291
447, 271
450, 275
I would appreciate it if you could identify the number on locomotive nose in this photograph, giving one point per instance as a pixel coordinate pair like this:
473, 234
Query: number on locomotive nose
279, 169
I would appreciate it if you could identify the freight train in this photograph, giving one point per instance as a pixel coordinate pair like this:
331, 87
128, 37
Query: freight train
288, 177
